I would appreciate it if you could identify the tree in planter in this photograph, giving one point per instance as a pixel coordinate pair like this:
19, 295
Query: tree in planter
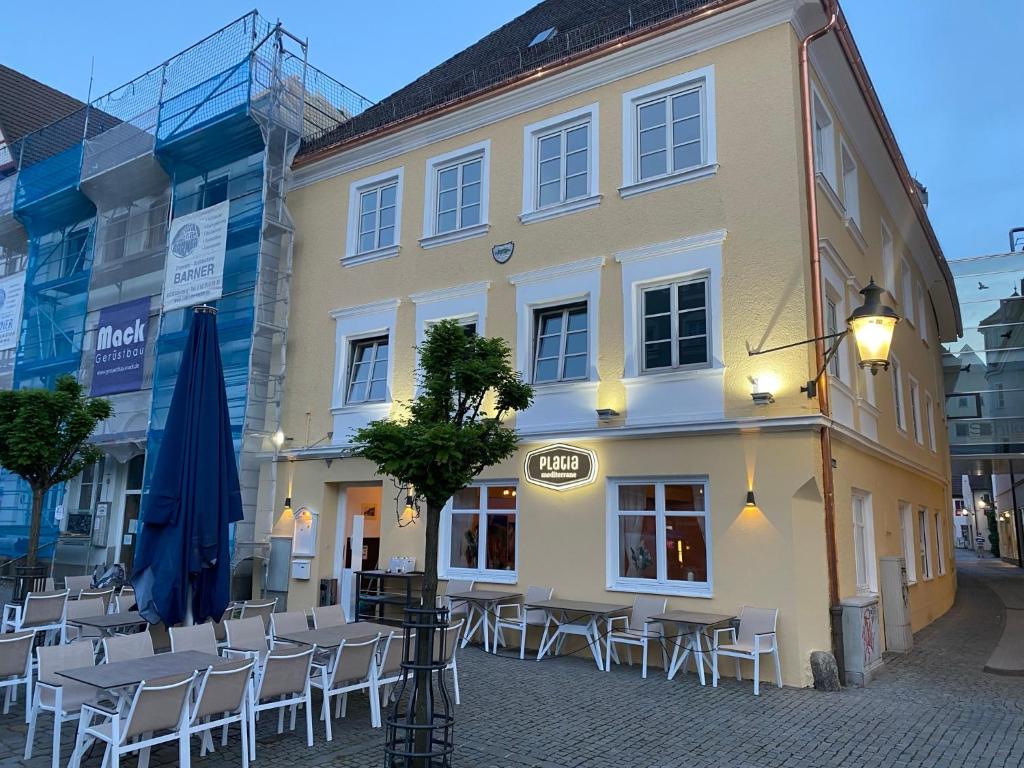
447, 439
43, 437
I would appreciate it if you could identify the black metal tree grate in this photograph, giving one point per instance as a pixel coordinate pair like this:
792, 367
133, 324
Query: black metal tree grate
409, 744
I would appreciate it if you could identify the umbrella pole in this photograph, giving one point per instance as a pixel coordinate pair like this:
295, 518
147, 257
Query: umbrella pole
189, 618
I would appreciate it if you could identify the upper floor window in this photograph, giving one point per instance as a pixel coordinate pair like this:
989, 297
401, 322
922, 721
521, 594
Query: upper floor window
915, 411
922, 313
824, 141
897, 395
560, 350
368, 371
832, 328
929, 407
455, 207
907, 290
888, 260
669, 132
675, 325
851, 185
374, 220
560, 169
924, 544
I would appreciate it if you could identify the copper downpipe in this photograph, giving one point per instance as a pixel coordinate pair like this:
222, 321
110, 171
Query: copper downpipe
818, 315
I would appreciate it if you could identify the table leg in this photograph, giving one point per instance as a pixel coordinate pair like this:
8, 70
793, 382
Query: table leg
545, 641
471, 628
485, 617
673, 665
593, 636
699, 654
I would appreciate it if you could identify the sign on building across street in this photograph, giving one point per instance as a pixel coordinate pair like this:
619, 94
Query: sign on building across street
561, 467
12, 291
195, 257
119, 359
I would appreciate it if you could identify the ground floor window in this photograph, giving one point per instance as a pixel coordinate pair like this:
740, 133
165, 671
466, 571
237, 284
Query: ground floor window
864, 543
659, 537
924, 543
479, 532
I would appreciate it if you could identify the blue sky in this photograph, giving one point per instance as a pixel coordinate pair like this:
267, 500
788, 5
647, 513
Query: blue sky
950, 80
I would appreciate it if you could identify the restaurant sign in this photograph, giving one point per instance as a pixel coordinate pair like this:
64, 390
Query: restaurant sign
561, 467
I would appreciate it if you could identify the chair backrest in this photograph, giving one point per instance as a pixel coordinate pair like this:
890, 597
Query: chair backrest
354, 662
15, 652
127, 647
44, 608
535, 595
56, 658
158, 706
451, 642
756, 621
223, 689
75, 584
106, 595
252, 608
160, 636
328, 616
90, 606
291, 621
391, 664
285, 673
644, 608
458, 585
198, 637
124, 602
246, 634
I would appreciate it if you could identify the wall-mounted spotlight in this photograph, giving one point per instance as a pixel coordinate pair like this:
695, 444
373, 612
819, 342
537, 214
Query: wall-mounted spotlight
750, 499
606, 414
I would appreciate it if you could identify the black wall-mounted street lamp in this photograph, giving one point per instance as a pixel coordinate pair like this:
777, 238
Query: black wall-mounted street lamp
872, 325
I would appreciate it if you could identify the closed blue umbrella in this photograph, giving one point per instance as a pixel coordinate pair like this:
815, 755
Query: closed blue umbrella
193, 495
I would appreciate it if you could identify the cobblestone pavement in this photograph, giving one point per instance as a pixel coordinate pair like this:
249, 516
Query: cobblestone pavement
933, 707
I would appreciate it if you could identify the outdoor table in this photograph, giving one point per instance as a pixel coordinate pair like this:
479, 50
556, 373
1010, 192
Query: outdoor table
480, 607
332, 637
109, 623
698, 622
574, 617
122, 674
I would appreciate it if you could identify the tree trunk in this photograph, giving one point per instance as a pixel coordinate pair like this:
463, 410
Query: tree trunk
38, 494
424, 642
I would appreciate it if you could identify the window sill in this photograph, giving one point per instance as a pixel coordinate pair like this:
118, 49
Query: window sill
830, 194
373, 405
868, 406
557, 387
456, 236
378, 254
561, 209
650, 588
485, 577
676, 374
858, 238
693, 174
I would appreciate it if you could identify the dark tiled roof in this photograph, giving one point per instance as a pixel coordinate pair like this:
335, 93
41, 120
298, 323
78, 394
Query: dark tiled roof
501, 56
26, 105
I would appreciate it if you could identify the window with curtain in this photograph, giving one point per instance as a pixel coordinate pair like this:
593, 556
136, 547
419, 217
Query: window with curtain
481, 523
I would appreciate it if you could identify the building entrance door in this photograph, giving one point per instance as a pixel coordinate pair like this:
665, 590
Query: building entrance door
130, 518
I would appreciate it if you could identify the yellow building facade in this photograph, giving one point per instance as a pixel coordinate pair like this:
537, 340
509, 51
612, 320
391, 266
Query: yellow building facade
634, 223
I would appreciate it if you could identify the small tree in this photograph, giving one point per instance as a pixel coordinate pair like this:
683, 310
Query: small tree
447, 439
43, 437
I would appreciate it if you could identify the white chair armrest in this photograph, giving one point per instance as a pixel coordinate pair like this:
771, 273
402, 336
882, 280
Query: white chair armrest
759, 636
613, 619
515, 607
717, 632
240, 653
101, 711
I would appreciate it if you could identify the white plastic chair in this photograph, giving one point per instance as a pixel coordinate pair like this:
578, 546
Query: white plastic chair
288, 623
637, 632
263, 609
247, 637
106, 595
80, 609
448, 653
456, 608
514, 617
198, 637
16, 666
282, 683
223, 697
158, 714
352, 667
755, 637
59, 695
328, 616
75, 585
41, 612
128, 647
389, 665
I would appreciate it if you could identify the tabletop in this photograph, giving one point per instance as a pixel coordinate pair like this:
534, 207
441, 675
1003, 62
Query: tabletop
109, 620
578, 606
118, 674
484, 596
331, 637
693, 617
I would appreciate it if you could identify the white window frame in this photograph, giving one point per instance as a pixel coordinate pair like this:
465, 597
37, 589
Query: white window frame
914, 400
532, 134
907, 290
924, 543
674, 338
703, 79
864, 531
563, 308
929, 407
353, 256
355, 344
431, 237
888, 247
899, 401
833, 309
908, 540
660, 585
444, 568
922, 312
824, 127
940, 549
851, 182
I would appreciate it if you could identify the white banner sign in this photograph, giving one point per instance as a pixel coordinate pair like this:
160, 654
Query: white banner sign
195, 257
12, 291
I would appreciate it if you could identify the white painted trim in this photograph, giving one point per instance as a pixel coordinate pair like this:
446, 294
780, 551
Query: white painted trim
703, 78
361, 310
907, 541
444, 569
460, 302
856, 235
431, 238
352, 255
830, 194
567, 269
871, 551
844, 150
455, 292
377, 318
613, 66
914, 401
929, 404
683, 244
830, 161
587, 115
849, 436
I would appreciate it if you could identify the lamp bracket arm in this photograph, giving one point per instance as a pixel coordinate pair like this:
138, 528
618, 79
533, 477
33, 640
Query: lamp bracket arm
839, 335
